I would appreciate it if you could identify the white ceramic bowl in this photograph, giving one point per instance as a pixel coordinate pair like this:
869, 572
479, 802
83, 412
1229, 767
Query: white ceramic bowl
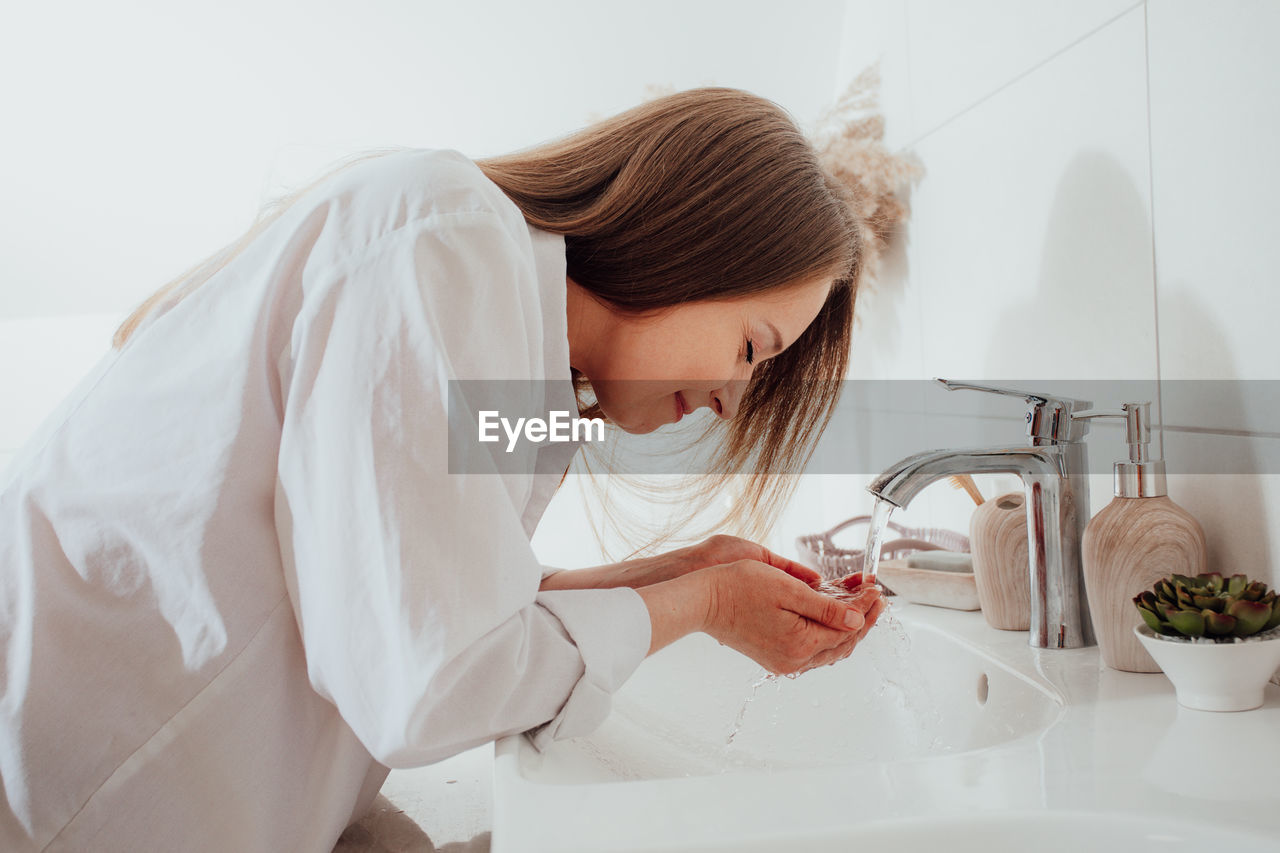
1215, 676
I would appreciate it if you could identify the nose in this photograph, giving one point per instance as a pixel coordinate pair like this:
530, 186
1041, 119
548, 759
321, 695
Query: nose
724, 400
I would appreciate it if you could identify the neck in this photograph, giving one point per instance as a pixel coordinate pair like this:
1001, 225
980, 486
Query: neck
589, 322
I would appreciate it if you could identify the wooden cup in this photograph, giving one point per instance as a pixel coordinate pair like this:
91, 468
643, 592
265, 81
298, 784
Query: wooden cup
1001, 570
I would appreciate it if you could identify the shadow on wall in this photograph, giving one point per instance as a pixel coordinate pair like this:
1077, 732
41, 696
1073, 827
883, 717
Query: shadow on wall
1092, 313
1090, 319
1213, 475
1095, 295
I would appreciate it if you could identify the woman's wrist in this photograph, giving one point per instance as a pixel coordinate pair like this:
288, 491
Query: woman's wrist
641, 572
677, 607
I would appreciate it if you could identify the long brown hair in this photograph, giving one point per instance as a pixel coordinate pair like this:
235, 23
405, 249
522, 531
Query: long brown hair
710, 193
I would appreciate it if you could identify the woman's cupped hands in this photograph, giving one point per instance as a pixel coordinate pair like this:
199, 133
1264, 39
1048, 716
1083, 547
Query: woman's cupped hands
780, 620
772, 609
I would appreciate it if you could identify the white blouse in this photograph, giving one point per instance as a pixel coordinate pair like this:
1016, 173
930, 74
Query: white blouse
237, 580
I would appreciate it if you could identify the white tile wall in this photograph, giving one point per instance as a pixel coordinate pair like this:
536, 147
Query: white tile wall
888, 340
1215, 84
1240, 512
1215, 130
887, 337
1031, 235
875, 31
1060, 235
962, 52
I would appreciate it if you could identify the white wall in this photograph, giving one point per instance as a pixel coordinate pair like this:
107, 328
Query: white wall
1097, 174
143, 135
1098, 203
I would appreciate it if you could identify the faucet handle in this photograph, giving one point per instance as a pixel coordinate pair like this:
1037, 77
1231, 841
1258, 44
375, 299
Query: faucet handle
990, 389
1049, 418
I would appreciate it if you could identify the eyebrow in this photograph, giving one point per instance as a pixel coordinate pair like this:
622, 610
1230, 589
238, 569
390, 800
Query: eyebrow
777, 338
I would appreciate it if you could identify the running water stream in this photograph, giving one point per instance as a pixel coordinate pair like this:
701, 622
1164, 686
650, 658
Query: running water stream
897, 669
746, 703
875, 539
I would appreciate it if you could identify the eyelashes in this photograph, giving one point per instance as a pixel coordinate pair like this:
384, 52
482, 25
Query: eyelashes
751, 351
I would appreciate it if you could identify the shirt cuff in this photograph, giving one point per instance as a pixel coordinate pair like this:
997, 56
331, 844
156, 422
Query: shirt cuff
611, 629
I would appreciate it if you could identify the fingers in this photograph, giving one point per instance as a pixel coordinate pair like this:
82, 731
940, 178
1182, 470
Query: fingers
865, 598
723, 548
826, 610
832, 655
803, 573
842, 612
791, 567
873, 614
845, 647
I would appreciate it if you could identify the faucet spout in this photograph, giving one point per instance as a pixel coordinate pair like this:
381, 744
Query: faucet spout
1057, 504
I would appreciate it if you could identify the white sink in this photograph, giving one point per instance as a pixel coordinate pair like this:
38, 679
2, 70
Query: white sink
895, 698
967, 739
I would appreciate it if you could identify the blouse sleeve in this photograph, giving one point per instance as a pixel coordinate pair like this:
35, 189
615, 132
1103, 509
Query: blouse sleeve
416, 589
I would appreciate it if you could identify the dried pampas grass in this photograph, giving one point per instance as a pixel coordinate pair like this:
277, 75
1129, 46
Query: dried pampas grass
849, 139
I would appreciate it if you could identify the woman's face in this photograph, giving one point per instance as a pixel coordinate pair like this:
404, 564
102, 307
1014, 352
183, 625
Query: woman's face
651, 371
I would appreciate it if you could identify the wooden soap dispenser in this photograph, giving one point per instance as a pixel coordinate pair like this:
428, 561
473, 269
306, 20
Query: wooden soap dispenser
1134, 541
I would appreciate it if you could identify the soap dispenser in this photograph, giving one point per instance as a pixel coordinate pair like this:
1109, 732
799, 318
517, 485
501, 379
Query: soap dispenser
1134, 541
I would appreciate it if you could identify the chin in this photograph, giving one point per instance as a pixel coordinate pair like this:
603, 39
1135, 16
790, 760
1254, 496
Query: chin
643, 427
634, 423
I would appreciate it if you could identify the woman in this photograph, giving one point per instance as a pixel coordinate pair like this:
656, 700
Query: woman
239, 578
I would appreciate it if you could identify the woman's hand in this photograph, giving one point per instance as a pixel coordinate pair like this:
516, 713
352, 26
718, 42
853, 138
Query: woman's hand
722, 549
774, 618
778, 621
858, 595
646, 571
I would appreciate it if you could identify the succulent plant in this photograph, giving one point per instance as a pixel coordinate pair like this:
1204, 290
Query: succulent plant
1209, 605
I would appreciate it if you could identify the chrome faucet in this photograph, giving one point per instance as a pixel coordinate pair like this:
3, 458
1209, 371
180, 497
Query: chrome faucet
1053, 468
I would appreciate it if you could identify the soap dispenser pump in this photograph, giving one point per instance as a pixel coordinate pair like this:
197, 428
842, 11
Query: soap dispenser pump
1134, 541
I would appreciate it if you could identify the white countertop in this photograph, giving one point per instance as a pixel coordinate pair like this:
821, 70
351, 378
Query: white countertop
1121, 746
